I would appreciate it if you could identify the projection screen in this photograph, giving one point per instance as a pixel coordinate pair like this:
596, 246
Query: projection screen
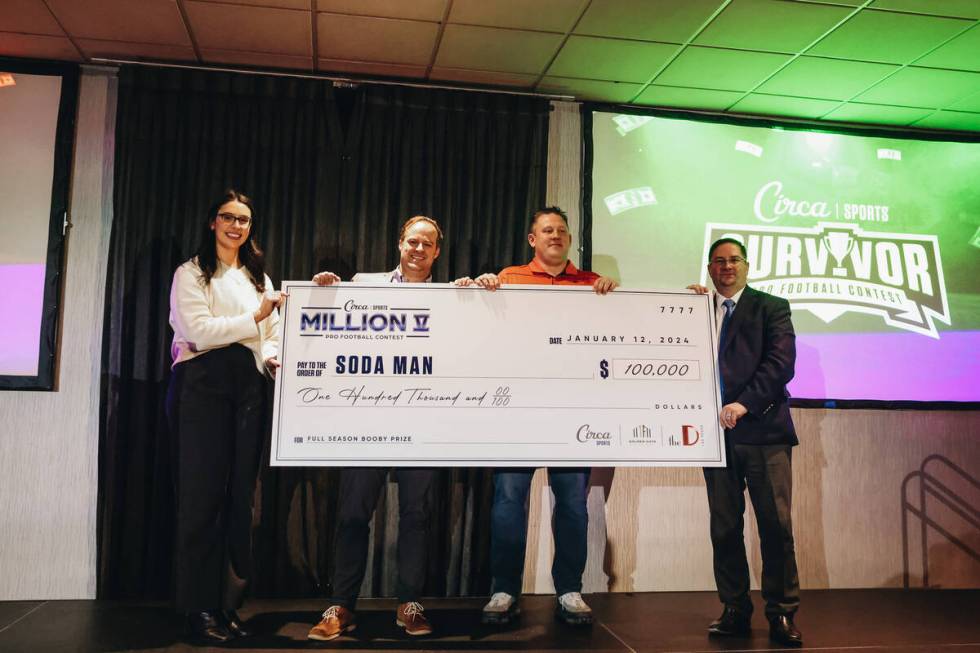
874, 240
37, 105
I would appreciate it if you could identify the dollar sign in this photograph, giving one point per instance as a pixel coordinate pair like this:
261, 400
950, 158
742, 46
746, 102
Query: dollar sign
604, 368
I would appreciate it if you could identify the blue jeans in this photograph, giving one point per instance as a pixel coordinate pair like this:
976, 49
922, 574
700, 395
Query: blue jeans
508, 534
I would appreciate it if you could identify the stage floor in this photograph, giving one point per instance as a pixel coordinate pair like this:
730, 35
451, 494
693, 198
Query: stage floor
911, 621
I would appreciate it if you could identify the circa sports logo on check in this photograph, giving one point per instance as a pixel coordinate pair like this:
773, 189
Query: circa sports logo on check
601, 438
362, 321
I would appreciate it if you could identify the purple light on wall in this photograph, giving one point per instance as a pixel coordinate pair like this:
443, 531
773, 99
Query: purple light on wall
888, 366
20, 321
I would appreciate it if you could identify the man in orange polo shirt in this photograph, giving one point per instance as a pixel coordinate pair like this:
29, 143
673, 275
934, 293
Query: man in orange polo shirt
551, 240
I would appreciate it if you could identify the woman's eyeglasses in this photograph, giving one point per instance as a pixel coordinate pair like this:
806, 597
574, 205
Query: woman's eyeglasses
228, 218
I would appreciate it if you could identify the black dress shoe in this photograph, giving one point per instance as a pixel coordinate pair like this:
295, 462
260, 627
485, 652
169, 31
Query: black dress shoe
208, 628
234, 624
783, 631
731, 623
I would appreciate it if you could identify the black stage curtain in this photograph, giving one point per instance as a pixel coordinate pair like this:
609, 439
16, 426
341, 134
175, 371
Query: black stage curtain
333, 172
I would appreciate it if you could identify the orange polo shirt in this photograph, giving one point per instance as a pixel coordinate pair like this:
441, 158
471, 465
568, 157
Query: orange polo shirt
533, 273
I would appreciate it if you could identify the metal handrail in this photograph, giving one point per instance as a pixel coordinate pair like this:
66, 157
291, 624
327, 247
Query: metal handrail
929, 484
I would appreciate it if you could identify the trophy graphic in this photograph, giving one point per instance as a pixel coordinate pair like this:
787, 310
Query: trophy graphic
839, 244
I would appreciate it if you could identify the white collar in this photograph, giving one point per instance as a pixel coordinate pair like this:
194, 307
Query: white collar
396, 276
719, 299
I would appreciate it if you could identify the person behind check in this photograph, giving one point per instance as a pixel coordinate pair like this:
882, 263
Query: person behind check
360, 487
550, 239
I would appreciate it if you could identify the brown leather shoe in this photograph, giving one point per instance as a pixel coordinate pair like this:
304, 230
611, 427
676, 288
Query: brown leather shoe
411, 617
336, 621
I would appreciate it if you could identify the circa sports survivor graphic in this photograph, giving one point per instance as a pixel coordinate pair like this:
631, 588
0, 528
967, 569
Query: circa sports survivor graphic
874, 241
831, 269
885, 232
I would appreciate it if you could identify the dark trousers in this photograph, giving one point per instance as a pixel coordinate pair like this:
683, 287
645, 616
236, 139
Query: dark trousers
767, 472
216, 409
508, 530
360, 489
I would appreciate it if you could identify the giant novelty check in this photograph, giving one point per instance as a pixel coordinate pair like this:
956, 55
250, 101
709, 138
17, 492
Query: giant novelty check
434, 375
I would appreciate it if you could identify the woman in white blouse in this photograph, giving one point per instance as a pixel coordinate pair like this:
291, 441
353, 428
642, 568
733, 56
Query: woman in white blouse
224, 317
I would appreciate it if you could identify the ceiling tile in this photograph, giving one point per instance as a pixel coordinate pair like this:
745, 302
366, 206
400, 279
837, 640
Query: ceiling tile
587, 89
961, 8
615, 60
29, 17
487, 48
962, 53
951, 120
547, 15
412, 9
147, 51
483, 77
726, 70
255, 29
878, 114
969, 103
688, 98
647, 20
770, 25
371, 68
923, 87
282, 4
362, 38
888, 37
829, 79
257, 59
148, 21
33, 46
779, 105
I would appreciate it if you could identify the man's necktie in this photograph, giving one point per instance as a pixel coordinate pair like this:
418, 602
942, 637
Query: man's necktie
725, 322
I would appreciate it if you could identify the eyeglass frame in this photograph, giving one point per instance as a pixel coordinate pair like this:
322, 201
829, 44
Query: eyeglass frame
733, 260
229, 218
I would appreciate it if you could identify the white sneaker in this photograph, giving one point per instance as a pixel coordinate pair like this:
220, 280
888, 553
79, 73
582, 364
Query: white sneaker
572, 609
500, 609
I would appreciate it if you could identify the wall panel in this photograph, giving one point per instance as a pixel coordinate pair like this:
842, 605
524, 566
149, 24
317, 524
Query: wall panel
49, 445
649, 529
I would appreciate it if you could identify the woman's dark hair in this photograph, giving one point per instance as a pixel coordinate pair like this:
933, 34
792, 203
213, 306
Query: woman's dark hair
249, 253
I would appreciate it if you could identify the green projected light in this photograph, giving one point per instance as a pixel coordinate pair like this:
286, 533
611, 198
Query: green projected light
869, 238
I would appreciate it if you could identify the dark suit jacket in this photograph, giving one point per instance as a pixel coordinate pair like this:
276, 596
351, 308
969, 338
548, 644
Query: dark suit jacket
757, 363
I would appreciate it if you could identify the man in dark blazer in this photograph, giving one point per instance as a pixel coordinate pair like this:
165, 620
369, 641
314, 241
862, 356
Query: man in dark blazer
756, 355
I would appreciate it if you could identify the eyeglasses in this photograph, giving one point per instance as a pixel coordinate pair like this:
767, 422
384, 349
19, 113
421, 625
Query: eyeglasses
228, 218
732, 260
